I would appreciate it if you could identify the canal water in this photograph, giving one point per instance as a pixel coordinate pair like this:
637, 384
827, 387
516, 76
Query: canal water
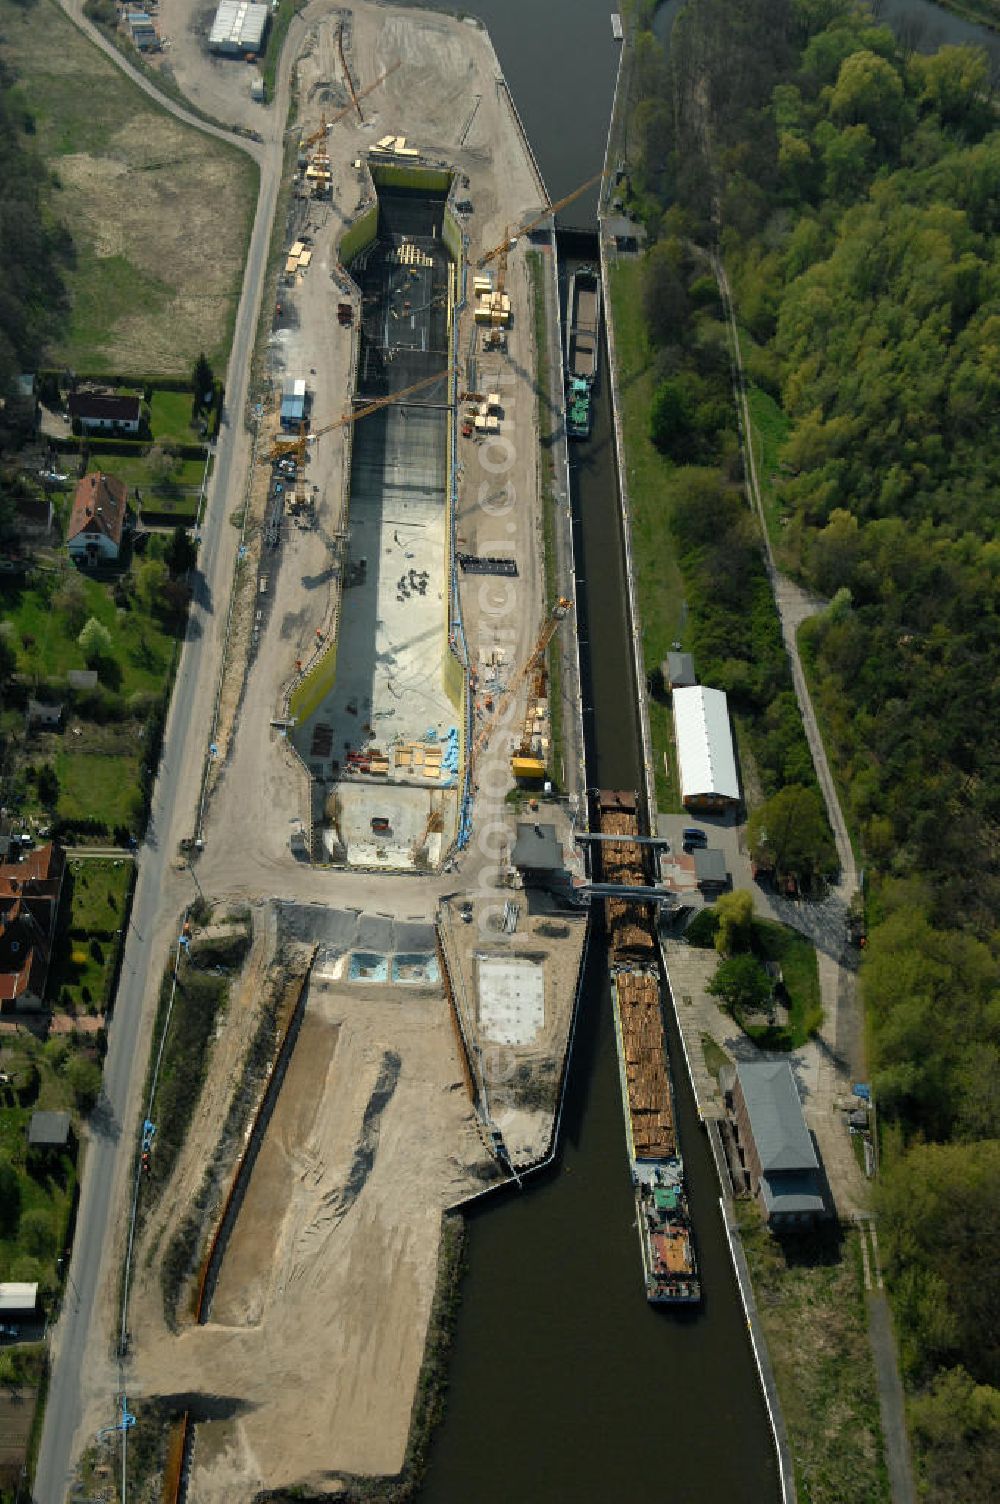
564, 1384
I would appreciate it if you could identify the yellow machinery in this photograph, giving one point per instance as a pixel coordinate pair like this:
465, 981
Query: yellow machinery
317, 135
283, 449
524, 763
494, 307
558, 614
325, 126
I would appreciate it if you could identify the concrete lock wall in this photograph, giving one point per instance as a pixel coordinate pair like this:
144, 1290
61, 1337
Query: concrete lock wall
451, 234
314, 685
360, 234
424, 179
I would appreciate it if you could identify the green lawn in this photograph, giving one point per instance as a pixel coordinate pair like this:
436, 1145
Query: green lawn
91, 916
178, 493
797, 958
159, 213
658, 579
770, 430
810, 1297
99, 785
46, 645
170, 418
35, 1219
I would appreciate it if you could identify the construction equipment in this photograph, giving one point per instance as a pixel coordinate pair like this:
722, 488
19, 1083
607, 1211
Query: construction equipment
317, 135
561, 203
347, 73
526, 762
325, 125
494, 307
558, 614
285, 448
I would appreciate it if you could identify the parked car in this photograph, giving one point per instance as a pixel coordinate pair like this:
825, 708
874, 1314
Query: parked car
693, 837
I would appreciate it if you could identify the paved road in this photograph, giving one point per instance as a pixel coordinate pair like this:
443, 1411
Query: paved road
80, 1343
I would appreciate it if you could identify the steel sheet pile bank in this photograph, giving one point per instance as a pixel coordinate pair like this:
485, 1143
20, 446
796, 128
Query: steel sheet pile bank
669, 1266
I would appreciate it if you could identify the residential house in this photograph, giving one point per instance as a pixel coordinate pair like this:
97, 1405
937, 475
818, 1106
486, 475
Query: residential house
774, 1144
97, 521
29, 905
100, 412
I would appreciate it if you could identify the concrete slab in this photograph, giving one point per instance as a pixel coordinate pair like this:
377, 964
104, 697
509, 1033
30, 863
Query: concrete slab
511, 997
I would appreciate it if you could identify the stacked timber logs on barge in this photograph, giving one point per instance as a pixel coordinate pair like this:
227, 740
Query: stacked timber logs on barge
670, 1268
649, 1096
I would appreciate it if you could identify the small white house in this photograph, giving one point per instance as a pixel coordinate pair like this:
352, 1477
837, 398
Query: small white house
98, 412
98, 519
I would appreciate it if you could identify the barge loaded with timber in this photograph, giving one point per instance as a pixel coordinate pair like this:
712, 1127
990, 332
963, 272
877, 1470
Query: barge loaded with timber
662, 1217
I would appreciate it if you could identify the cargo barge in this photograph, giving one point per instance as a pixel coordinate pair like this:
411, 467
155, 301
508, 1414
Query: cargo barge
670, 1268
583, 320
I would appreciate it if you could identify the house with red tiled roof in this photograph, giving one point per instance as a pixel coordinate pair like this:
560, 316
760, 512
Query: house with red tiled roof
98, 519
29, 905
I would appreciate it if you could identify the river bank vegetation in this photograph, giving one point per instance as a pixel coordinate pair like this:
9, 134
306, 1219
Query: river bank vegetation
852, 187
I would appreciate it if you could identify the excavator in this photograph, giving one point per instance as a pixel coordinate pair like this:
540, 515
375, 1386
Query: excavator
551, 625
283, 449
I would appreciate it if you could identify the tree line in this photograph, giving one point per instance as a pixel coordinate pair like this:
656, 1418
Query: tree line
852, 184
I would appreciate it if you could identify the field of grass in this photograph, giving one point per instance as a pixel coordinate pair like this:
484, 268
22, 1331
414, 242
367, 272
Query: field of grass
177, 493
35, 1216
100, 785
770, 430
276, 40
159, 213
88, 938
46, 646
797, 958
658, 580
810, 1297
170, 418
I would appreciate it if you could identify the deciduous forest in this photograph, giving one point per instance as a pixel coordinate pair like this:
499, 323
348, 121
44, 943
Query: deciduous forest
852, 187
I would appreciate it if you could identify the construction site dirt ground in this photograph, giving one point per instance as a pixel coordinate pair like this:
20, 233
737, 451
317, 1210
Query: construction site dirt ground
444, 65
324, 1293
316, 1332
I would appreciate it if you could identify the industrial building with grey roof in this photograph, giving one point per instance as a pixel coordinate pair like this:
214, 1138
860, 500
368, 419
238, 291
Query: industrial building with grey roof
776, 1145
238, 28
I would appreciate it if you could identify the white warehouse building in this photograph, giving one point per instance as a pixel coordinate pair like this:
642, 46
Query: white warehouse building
704, 742
238, 28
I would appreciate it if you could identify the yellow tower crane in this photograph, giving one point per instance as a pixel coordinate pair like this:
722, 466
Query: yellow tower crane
556, 616
286, 448
325, 125
499, 254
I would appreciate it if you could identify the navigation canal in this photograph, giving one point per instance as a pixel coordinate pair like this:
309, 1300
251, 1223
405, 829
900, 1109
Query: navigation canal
564, 1384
